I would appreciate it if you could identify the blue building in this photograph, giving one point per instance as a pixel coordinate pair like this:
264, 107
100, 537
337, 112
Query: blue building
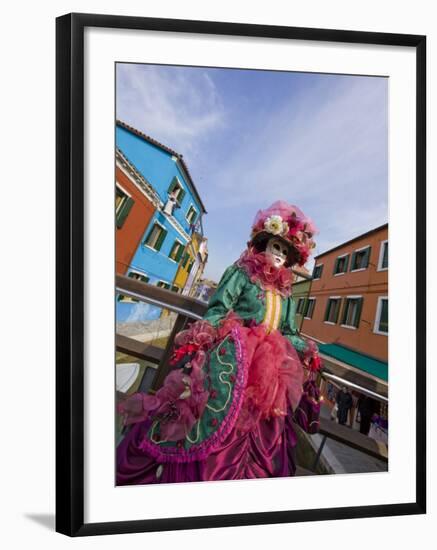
179, 213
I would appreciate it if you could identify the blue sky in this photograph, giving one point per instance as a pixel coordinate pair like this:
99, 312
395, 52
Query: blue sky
250, 138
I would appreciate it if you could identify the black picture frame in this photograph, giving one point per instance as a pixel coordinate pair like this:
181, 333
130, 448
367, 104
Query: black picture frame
70, 273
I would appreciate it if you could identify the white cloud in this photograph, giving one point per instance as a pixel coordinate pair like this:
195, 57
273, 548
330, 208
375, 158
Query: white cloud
178, 107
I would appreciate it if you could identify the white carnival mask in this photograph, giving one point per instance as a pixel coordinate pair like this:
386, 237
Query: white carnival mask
277, 252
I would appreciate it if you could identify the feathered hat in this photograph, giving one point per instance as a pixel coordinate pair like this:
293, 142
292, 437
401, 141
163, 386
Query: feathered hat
288, 223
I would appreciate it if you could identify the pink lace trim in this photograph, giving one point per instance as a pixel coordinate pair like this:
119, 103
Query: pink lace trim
203, 449
261, 271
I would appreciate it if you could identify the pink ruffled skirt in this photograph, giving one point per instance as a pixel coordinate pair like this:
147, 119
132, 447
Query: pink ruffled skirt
262, 440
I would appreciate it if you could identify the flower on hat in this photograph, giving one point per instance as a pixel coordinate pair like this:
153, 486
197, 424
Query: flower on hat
291, 224
275, 225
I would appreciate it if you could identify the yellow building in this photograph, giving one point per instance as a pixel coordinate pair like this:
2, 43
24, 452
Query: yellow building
192, 263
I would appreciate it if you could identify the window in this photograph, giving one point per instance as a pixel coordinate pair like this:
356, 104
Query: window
383, 256
360, 259
381, 319
332, 309
175, 288
123, 205
317, 273
186, 261
176, 190
191, 215
137, 277
352, 311
340, 264
309, 308
163, 284
176, 251
156, 237
300, 305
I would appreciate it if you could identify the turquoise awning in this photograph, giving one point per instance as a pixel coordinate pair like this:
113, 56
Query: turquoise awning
356, 359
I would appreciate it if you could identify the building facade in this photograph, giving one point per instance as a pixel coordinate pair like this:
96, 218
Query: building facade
300, 292
348, 301
135, 205
192, 263
178, 210
346, 312
156, 227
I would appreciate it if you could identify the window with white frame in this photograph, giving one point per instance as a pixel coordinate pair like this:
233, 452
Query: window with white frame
352, 311
309, 308
176, 251
360, 258
300, 304
317, 273
156, 237
381, 317
383, 256
341, 264
137, 277
176, 190
332, 309
191, 215
123, 205
163, 284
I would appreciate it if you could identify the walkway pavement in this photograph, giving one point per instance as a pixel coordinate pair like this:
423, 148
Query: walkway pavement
343, 459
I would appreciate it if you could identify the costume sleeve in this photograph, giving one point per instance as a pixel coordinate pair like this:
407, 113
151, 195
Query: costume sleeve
223, 300
307, 414
289, 329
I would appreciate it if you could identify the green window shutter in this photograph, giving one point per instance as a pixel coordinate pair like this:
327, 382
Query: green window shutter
175, 244
321, 271
338, 306
179, 254
346, 263
327, 309
149, 234
358, 316
124, 211
385, 256
344, 312
367, 257
335, 266
352, 261
173, 184
181, 196
161, 239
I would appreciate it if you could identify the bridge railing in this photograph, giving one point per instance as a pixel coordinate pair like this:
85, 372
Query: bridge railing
184, 307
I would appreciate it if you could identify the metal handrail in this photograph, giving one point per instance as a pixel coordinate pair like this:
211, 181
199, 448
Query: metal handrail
350, 384
159, 303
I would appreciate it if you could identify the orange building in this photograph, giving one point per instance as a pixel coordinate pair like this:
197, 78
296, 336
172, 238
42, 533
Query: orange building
346, 312
348, 301
135, 204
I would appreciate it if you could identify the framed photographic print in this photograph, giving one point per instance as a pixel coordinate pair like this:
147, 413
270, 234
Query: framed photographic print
237, 205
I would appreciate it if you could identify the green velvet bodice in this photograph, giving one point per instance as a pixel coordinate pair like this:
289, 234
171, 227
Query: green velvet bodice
248, 300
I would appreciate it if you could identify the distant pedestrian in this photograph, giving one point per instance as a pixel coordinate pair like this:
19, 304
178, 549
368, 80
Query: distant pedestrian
366, 407
344, 403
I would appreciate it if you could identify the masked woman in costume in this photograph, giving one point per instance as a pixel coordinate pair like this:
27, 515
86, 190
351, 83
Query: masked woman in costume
241, 376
